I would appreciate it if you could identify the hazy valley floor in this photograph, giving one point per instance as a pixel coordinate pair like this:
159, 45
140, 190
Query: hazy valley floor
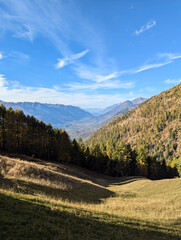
40, 200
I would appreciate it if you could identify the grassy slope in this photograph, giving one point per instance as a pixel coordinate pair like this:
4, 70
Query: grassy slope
88, 206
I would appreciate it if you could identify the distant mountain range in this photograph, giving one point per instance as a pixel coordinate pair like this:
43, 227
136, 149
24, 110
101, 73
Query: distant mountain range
86, 128
56, 114
76, 121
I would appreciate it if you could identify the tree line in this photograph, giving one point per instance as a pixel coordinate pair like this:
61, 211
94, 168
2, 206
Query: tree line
26, 135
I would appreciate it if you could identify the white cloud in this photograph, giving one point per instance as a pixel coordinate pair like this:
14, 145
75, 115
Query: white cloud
169, 56
149, 66
55, 21
101, 85
3, 81
68, 60
13, 91
97, 75
1, 56
29, 19
104, 78
59, 21
63, 23
110, 80
172, 81
161, 60
93, 74
146, 27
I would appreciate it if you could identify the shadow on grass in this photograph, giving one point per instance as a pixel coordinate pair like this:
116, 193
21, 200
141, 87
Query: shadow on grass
77, 171
126, 180
20, 219
84, 193
117, 181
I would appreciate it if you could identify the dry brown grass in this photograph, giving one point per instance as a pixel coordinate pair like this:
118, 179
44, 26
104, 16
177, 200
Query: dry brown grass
58, 180
131, 200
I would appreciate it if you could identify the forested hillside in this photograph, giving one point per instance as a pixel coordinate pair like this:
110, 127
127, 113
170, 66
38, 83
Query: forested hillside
29, 136
154, 128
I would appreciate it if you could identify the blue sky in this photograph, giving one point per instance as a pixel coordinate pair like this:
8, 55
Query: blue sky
88, 53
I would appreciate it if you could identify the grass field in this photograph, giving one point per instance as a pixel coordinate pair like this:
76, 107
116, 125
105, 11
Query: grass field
40, 200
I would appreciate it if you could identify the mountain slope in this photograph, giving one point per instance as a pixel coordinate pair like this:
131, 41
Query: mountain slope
155, 126
50, 113
86, 128
107, 109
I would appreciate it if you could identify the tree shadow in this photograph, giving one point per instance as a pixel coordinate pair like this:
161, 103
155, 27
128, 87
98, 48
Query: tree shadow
126, 180
85, 192
77, 171
24, 158
22, 219
107, 181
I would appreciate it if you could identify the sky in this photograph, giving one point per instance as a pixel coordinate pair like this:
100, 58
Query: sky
88, 53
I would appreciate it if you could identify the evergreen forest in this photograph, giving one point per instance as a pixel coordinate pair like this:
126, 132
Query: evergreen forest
26, 135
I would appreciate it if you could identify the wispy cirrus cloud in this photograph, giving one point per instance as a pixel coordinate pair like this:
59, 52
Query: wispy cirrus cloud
59, 22
104, 78
145, 27
160, 60
94, 74
28, 19
62, 24
14, 55
101, 85
169, 56
172, 81
112, 80
70, 59
149, 66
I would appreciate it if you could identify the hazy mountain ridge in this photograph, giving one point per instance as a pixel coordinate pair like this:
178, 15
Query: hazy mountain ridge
91, 126
86, 128
155, 125
107, 109
50, 113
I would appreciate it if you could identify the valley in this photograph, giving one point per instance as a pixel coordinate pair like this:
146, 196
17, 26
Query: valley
90, 120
